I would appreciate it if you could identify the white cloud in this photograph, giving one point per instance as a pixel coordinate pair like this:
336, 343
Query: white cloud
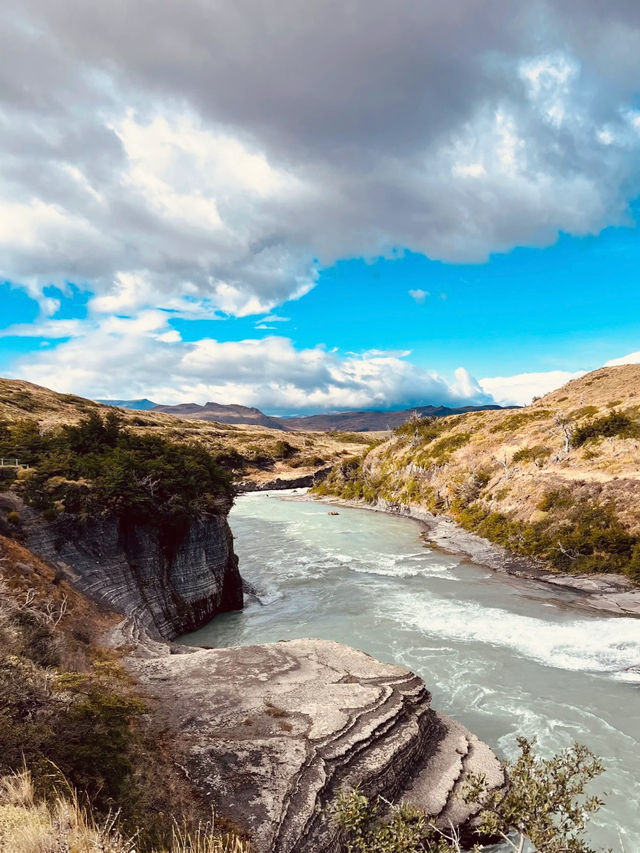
419, 296
142, 355
125, 157
630, 358
520, 389
45, 329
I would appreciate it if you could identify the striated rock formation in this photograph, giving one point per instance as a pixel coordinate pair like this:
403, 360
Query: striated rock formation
272, 733
128, 567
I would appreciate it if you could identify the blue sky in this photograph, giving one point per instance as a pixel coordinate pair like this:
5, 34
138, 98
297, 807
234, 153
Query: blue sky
569, 307
303, 222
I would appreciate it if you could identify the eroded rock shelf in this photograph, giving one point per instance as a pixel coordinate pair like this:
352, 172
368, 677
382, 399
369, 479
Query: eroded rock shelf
273, 733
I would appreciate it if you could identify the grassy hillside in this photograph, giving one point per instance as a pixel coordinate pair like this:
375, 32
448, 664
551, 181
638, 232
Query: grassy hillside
73, 718
249, 452
559, 479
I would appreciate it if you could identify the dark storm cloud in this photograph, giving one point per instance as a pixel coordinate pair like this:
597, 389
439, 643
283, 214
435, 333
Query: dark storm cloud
452, 129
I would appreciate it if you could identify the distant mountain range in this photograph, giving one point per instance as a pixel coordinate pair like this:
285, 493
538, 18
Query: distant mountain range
365, 421
373, 421
230, 414
143, 405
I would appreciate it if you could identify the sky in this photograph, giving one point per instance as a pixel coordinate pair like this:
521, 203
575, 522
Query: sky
318, 206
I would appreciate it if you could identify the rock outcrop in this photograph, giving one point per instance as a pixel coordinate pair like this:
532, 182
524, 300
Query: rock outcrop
128, 567
273, 733
280, 483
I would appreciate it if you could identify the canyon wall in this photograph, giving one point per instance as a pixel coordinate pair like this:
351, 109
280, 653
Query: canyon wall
166, 585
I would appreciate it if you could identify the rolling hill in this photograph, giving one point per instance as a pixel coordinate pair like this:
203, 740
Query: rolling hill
557, 480
255, 452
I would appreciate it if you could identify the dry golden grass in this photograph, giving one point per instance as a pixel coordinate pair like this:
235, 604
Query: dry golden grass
490, 442
20, 400
65, 826
522, 472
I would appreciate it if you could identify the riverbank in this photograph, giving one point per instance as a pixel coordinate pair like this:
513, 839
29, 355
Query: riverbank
504, 656
613, 594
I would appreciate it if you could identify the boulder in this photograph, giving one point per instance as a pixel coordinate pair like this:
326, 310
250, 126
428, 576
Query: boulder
271, 734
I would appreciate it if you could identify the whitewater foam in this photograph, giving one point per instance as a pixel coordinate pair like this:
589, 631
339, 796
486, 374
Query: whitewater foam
595, 644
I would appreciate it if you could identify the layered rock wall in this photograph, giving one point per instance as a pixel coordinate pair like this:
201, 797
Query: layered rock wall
129, 568
272, 734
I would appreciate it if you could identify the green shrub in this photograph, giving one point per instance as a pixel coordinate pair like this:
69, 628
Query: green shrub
442, 450
546, 803
536, 454
7, 477
633, 569
556, 499
283, 450
614, 424
99, 465
584, 412
422, 429
80, 723
579, 536
511, 423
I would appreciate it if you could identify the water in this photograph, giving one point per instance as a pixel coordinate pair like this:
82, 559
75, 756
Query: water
505, 657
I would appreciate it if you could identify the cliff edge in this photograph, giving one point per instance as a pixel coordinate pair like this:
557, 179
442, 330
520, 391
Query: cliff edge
272, 734
127, 567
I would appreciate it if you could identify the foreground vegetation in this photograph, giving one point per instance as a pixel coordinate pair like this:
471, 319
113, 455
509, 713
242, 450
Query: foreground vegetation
545, 804
99, 465
29, 825
73, 718
556, 481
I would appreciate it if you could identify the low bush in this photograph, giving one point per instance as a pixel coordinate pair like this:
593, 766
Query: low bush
442, 449
614, 424
537, 454
512, 423
421, 429
584, 412
546, 804
283, 450
99, 465
578, 536
556, 499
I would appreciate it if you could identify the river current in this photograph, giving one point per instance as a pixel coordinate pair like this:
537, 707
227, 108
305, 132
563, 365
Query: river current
506, 657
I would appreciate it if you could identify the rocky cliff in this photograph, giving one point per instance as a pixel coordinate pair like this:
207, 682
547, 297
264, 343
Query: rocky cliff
129, 568
271, 734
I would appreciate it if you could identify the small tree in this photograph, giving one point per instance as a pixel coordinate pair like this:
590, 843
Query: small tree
567, 429
545, 804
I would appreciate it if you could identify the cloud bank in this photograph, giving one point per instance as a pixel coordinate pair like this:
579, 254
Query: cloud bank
144, 356
205, 158
216, 149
